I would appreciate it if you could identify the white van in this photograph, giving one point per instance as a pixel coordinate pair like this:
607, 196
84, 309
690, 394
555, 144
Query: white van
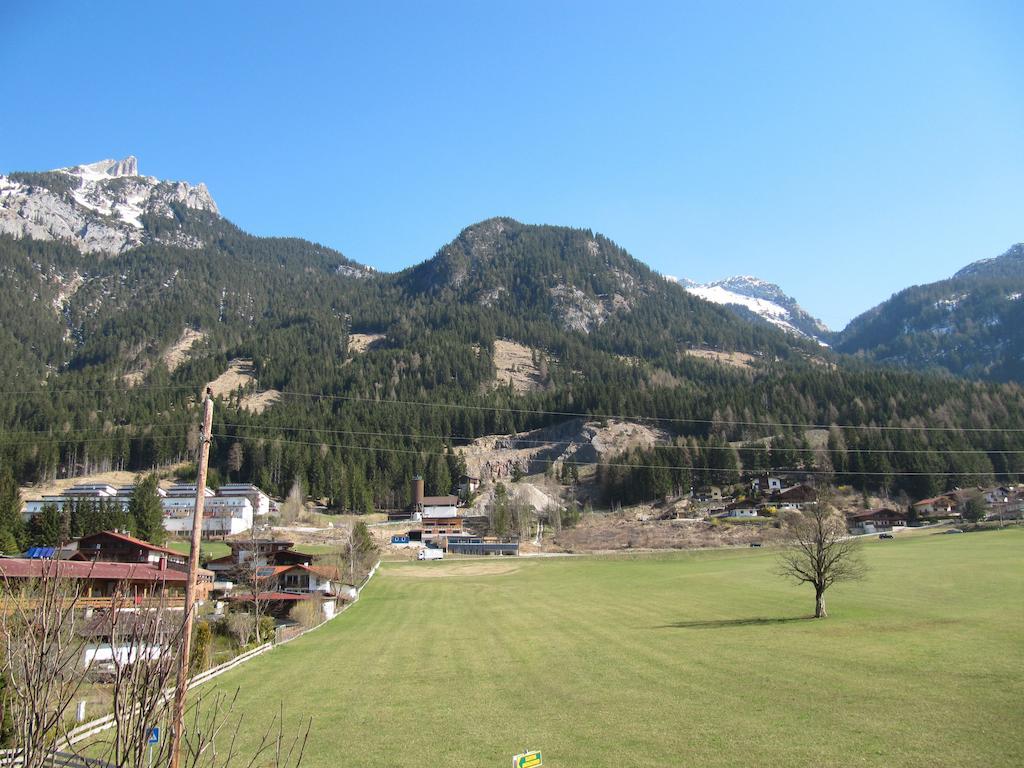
430, 554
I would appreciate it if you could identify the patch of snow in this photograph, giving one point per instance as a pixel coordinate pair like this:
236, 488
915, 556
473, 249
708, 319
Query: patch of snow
1013, 296
356, 272
769, 310
951, 303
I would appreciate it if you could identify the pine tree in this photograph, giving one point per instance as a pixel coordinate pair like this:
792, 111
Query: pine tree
48, 527
146, 512
12, 527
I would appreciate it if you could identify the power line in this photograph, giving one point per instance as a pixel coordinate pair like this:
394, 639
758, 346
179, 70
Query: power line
4, 444
54, 432
621, 464
561, 414
89, 390
655, 444
660, 419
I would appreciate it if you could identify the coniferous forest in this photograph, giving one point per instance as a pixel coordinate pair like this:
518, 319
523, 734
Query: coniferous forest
82, 338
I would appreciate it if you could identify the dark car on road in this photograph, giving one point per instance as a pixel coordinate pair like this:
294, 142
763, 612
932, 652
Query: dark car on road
886, 536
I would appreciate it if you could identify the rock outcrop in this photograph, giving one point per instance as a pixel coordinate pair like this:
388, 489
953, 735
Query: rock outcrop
98, 207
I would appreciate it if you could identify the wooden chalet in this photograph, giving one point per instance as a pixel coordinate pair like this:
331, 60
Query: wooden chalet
117, 547
107, 584
875, 520
796, 496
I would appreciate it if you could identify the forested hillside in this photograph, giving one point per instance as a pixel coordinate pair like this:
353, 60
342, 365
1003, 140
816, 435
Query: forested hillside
83, 340
971, 324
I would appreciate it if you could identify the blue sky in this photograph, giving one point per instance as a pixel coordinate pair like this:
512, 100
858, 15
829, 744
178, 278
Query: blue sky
844, 151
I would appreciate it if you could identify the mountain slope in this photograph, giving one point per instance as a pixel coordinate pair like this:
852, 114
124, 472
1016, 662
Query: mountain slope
550, 281
84, 341
971, 324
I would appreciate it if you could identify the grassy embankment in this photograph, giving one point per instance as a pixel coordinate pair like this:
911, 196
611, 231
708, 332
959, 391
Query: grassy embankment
697, 659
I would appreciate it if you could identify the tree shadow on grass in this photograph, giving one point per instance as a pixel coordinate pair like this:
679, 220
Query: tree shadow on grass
726, 623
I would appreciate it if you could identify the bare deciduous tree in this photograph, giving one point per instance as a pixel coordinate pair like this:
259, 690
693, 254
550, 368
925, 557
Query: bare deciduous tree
47, 659
522, 516
293, 507
143, 647
42, 661
819, 552
254, 574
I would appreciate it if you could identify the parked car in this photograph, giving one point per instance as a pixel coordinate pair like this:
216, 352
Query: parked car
755, 543
886, 536
953, 530
427, 553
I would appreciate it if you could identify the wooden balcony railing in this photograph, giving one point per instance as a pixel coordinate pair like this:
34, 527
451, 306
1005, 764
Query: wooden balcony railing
101, 603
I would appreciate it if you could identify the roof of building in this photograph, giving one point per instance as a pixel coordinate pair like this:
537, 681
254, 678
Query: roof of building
440, 501
324, 571
131, 626
22, 568
133, 541
247, 597
743, 505
240, 488
795, 492
933, 500
40, 553
185, 489
267, 571
260, 543
866, 513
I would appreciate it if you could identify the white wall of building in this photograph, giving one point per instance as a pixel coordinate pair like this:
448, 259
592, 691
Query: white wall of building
222, 515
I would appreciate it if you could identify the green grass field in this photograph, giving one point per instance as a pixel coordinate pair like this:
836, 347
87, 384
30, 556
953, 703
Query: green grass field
700, 659
208, 550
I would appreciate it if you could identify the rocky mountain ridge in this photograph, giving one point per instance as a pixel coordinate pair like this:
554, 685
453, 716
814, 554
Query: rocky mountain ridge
104, 207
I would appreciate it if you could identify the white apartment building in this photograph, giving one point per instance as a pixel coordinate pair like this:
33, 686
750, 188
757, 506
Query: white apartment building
260, 500
222, 515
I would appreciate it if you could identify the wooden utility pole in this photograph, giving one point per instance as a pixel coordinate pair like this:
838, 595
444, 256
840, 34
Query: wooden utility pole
181, 686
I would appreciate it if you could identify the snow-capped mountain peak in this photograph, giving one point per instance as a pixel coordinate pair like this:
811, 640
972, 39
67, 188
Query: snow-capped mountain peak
106, 169
98, 207
749, 295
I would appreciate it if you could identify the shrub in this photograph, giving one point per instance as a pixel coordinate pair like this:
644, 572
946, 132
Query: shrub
267, 629
202, 642
307, 613
240, 626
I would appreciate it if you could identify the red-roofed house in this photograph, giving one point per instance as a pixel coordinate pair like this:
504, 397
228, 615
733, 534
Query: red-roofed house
939, 506
262, 552
299, 578
117, 547
282, 586
143, 584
